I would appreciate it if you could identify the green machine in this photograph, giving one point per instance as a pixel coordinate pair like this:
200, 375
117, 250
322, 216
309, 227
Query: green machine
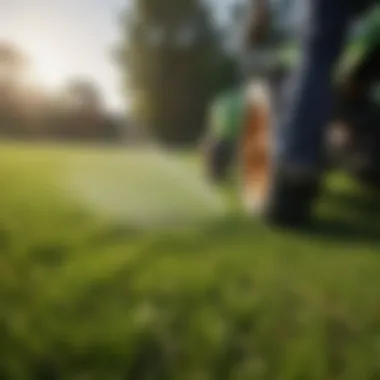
357, 108
224, 123
357, 104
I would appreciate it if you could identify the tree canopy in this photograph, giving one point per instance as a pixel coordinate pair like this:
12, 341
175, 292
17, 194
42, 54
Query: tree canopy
174, 61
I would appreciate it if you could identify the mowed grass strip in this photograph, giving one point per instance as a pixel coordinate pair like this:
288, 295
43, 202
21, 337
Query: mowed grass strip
82, 297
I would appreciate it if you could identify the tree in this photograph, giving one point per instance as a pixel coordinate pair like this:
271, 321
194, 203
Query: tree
172, 57
83, 115
13, 63
82, 109
13, 66
82, 95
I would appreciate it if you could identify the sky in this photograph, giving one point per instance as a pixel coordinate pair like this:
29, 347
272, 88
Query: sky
67, 38
71, 38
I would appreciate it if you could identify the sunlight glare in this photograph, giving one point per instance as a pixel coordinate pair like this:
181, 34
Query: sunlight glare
48, 66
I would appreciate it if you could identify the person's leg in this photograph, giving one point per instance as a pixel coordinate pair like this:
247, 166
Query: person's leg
308, 97
299, 133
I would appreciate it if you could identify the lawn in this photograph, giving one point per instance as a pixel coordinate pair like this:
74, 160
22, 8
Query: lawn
88, 292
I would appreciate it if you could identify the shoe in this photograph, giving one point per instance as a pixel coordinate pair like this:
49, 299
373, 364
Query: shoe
291, 201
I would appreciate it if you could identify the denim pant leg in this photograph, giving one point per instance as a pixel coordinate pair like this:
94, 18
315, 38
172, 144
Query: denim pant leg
307, 98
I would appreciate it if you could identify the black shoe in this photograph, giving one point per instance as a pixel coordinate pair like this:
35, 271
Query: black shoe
291, 200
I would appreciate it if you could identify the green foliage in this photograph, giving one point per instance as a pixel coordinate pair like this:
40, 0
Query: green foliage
82, 298
174, 63
370, 29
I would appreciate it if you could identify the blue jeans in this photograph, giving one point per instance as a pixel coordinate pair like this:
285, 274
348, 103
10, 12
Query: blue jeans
308, 97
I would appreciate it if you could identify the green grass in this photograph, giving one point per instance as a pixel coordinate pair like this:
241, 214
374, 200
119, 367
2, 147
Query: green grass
86, 296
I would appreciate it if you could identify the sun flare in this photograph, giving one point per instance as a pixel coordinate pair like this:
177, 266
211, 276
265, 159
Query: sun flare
47, 64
